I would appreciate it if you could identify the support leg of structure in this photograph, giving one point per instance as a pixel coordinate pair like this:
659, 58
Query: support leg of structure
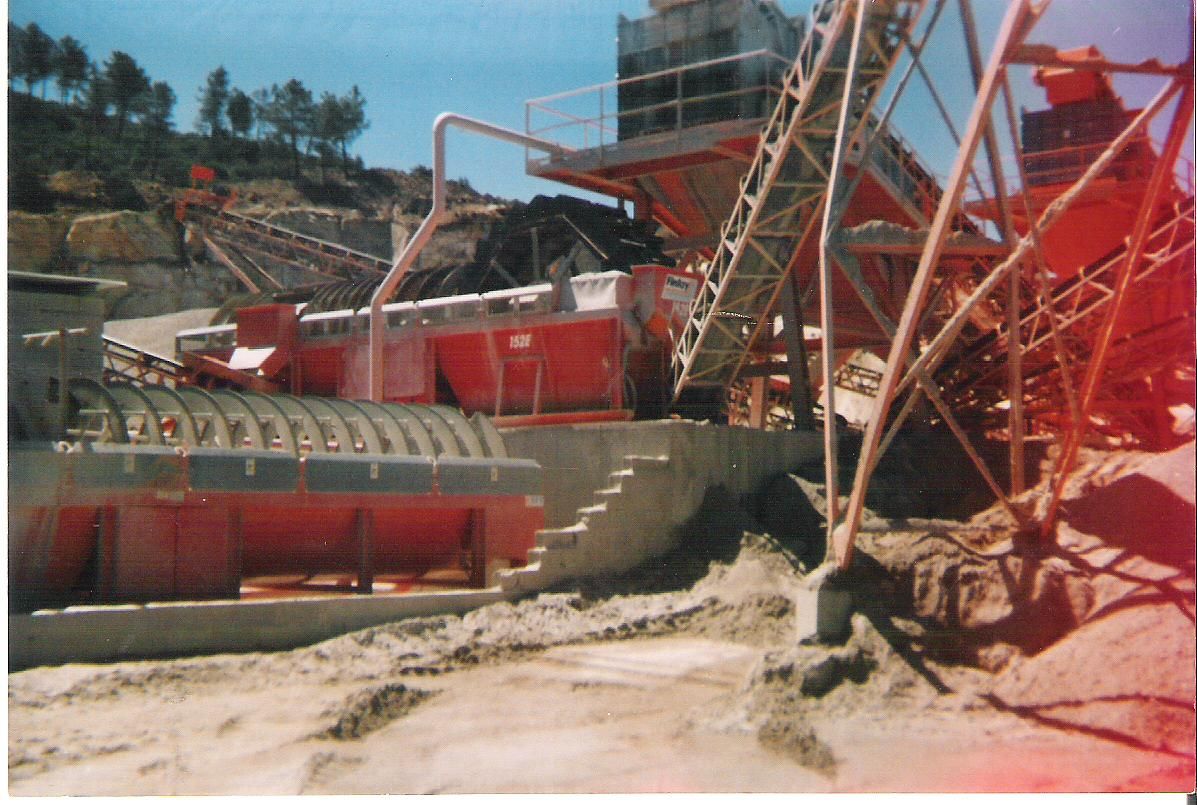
800, 396
826, 270
364, 528
1014, 29
823, 608
1010, 236
758, 402
1097, 363
478, 548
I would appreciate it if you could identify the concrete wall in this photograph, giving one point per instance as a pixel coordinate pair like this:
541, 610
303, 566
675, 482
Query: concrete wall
650, 477
579, 459
104, 634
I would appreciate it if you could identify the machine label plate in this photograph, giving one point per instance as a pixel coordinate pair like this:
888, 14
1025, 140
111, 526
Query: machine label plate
679, 289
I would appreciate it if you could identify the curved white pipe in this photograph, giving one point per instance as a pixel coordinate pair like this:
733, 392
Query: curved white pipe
414, 246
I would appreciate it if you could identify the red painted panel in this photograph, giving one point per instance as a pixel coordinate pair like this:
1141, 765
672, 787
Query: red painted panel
143, 554
321, 367
49, 547
511, 531
205, 556
405, 355
202, 174
267, 326
293, 539
581, 366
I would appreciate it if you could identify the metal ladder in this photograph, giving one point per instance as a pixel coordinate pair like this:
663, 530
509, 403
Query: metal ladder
784, 191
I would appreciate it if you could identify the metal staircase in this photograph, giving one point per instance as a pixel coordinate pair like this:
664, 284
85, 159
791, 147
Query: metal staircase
785, 190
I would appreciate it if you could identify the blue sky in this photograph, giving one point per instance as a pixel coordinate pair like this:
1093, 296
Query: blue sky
414, 59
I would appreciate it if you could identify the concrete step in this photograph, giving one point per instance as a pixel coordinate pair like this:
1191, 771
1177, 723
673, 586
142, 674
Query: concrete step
594, 510
560, 538
651, 462
520, 578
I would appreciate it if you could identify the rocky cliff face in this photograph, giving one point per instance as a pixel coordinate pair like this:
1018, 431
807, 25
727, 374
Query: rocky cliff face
62, 242
166, 266
124, 237
143, 249
36, 242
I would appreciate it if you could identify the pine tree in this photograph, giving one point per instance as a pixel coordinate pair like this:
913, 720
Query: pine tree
213, 97
353, 116
289, 112
240, 111
16, 51
70, 66
128, 87
159, 108
96, 100
37, 57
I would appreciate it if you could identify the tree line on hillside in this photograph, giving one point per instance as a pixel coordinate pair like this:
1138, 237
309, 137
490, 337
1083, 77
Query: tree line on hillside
286, 117
289, 113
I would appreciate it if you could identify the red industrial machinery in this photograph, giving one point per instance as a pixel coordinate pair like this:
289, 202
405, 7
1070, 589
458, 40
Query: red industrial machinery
180, 493
593, 347
1054, 301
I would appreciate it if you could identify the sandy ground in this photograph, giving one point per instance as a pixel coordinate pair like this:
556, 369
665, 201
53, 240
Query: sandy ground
971, 666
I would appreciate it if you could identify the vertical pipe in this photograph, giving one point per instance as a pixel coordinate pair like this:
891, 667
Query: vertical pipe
428, 226
826, 271
757, 401
364, 528
63, 381
678, 100
535, 254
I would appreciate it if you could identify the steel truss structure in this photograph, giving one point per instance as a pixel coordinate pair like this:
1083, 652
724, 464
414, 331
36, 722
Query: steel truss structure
975, 326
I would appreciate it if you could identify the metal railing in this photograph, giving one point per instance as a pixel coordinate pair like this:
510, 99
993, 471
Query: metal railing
596, 117
123, 361
1061, 165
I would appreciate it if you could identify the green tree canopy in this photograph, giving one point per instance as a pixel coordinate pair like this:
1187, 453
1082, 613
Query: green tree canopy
70, 66
240, 110
16, 45
37, 57
128, 87
158, 112
339, 121
353, 115
95, 98
160, 106
213, 97
289, 112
